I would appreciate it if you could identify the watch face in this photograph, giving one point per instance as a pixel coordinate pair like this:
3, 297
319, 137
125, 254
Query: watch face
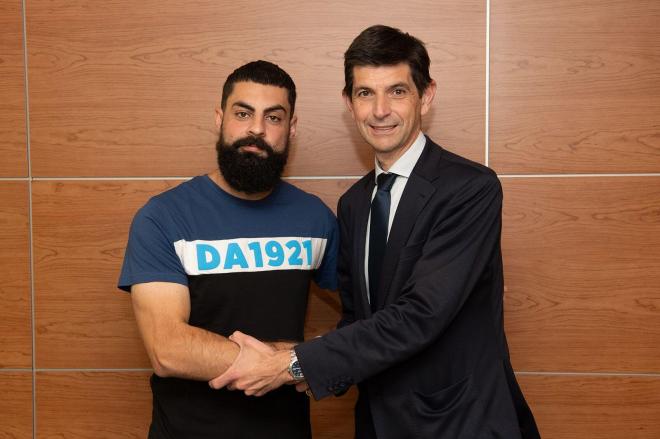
296, 370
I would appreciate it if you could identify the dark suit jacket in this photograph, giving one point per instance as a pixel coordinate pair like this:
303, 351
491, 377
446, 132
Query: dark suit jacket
433, 361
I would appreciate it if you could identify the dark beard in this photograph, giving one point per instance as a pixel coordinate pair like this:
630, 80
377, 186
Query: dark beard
247, 172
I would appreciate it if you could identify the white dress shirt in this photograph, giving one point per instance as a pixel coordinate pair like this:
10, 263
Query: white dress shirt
402, 168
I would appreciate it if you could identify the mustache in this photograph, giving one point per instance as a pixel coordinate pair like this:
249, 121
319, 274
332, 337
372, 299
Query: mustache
253, 140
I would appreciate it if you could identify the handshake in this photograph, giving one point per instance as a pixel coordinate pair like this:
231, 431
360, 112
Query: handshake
259, 367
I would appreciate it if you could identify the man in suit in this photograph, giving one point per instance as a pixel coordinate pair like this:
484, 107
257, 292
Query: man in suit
420, 274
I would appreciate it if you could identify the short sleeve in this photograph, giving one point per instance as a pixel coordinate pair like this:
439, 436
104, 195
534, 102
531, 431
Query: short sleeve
326, 275
150, 254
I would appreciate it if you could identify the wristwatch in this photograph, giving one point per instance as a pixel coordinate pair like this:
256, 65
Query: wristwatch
294, 367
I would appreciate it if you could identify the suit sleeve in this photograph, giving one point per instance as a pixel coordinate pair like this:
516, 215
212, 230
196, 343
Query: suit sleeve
457, 251
343, 272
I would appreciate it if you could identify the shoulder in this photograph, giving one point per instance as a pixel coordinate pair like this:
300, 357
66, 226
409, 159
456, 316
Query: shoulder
448, 170
161, 208
358, 189
303, 201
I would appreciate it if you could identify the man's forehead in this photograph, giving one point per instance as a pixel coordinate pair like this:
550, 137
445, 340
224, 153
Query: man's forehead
382, 75
259, 95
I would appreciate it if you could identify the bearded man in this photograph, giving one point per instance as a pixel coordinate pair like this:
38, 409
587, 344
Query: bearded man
234, 250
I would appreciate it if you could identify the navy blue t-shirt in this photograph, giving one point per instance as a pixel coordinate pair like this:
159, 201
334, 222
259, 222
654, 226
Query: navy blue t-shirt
248, 265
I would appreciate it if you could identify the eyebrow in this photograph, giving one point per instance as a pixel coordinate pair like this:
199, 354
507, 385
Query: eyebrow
359, 87
400, 85
247, 106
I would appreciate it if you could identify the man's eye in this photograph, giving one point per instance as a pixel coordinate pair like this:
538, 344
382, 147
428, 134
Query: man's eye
242, 114
275, 119
399, 92
363, 93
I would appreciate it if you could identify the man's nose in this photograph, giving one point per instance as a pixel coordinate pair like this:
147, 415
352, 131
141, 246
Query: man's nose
257, 127
382, 107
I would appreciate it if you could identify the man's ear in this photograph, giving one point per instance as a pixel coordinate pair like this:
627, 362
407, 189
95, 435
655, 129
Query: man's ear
349, 103
427, 96
293, 126
218, 117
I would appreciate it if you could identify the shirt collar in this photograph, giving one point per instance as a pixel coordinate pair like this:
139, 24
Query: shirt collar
405, 164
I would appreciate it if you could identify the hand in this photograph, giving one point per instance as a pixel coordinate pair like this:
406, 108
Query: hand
281, 345
258, 368
302, 386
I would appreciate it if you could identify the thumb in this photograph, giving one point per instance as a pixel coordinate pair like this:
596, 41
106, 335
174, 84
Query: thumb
222, 380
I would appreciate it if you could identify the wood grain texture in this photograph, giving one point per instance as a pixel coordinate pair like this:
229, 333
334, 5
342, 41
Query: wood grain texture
575, 86
13, 148
16, 405
332, 418
16, 323
328, 190
93, 405
582, 274
80, 233
595, 407
117, 90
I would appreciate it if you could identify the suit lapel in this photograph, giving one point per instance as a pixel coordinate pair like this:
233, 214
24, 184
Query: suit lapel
415, 196
360, 232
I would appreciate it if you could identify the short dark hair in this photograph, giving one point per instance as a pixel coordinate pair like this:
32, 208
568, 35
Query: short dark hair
381, 45
261, 72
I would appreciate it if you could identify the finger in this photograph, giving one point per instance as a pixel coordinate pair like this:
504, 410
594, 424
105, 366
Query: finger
223, 380
258, 345
302, 386
263, 391
240, 339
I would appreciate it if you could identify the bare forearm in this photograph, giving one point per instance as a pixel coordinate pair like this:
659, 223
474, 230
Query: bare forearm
193, 353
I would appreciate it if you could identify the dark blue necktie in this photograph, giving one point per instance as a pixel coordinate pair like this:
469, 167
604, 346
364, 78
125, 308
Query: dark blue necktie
380, 214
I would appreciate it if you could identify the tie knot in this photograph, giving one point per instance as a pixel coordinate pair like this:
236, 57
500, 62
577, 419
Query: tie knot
385, 181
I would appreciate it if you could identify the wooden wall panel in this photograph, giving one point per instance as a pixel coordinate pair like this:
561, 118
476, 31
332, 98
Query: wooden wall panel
575, 86
594, 407
93, 405
332, 418
581, 259
16, 323
16, 405
117, 90
80, 233
12, 92
328, 191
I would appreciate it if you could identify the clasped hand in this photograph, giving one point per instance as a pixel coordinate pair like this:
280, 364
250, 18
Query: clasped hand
258, 368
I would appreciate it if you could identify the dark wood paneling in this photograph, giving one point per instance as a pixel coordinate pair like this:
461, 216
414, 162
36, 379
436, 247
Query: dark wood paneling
594, 407
575, 86
93, 405
80, 233
16, 405
15, 324
116, 90
581, 269
12, 93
